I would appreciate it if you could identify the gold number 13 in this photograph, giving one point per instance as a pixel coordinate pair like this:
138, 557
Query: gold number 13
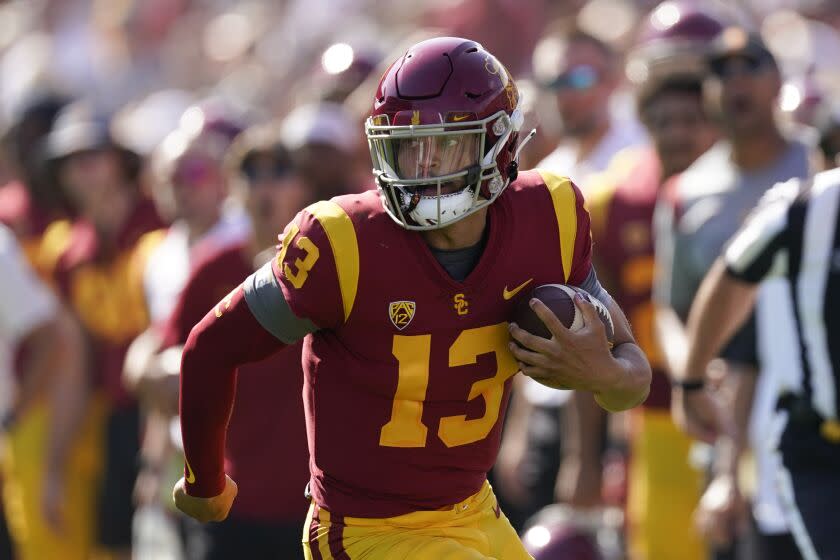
303, 266
406, 428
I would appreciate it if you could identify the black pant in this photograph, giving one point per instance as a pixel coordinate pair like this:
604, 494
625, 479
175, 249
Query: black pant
813, 464
256, 540
817, 495
116, 501
5, 539
776, 547
540, 465
755, 545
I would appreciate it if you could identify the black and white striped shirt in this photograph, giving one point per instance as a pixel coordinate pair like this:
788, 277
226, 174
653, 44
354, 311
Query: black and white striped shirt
795, 232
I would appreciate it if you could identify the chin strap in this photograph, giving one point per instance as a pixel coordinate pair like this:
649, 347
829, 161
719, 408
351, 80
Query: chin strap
525, 140
513, 166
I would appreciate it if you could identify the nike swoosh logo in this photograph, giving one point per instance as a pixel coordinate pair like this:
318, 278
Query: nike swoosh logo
457, 118
190, 474
507, 294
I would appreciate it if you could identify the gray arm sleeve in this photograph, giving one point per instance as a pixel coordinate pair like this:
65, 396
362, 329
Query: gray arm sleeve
593, 287
266, 302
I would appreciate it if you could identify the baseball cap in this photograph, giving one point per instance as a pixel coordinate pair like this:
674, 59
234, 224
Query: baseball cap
737, 41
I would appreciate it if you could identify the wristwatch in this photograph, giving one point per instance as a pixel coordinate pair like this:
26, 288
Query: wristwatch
688, 385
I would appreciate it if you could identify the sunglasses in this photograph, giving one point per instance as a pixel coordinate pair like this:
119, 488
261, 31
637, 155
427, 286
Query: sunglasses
193, 172
577, 78
732, 66
255, 172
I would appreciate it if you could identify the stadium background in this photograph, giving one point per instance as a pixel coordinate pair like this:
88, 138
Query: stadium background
154, 66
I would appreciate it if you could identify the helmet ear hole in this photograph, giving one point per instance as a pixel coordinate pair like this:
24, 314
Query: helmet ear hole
513, 171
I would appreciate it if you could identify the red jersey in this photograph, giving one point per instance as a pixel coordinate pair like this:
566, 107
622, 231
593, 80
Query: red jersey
407, 380
103, 286
266, 444
621, 203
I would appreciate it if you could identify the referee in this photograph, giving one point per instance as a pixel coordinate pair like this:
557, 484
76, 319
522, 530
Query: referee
794, 233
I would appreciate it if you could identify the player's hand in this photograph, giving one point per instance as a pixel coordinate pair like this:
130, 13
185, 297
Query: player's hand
571, 360
699, 414
205, 509
722, 514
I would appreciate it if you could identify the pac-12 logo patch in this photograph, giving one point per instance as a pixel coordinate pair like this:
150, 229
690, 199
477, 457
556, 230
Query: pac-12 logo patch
401, 313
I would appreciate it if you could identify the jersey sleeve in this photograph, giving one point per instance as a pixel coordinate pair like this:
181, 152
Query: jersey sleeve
751, 253
25, 302
573, 226
227, 337
317, 266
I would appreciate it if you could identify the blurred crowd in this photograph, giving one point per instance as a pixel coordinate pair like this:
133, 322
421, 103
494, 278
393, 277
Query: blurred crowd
152, 151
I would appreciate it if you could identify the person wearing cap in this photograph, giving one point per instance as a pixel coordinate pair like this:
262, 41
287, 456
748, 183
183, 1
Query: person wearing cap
583, 73
28, 202
663, 488
97, 269
189, 188
27, 205
324, 144
267, 442
697, 213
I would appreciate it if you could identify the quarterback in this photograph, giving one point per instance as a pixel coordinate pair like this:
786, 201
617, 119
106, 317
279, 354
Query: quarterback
403, 297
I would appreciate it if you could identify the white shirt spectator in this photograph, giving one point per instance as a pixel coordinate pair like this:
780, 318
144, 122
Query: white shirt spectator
25, 304
566, 160
168, 266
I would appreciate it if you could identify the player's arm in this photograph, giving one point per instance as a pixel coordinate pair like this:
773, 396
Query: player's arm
227, 337
723, 303
293, 295
620, 379
673, 287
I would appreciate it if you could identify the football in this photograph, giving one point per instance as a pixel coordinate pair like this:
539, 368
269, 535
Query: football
560, 299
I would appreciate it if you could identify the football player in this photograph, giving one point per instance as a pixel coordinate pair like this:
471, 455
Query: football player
403, 298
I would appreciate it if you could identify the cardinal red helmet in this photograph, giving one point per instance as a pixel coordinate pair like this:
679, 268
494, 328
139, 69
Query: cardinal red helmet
560, 543
443, 134
558, 532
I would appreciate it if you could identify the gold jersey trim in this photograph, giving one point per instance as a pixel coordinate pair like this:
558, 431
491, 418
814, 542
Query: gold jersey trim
565, 209
345, 247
